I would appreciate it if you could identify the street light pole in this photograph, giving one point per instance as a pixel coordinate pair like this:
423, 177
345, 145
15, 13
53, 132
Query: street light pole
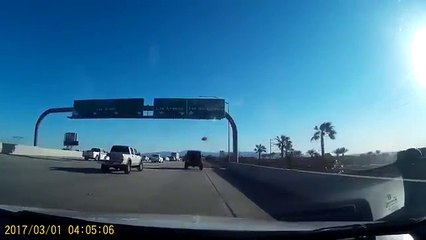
229, 156
229, 125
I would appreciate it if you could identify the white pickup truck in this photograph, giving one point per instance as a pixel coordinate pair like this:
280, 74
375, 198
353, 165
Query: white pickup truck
96, 154
123, 157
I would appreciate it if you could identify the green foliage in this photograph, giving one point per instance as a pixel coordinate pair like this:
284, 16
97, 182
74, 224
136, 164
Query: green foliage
324, 130
312, 153
284, 144
259, 149
341, 151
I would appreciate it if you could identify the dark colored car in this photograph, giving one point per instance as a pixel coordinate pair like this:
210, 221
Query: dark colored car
193, 159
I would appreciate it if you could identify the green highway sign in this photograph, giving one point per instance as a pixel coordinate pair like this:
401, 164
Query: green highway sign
169, 108
188, 108
108, 108
206, 108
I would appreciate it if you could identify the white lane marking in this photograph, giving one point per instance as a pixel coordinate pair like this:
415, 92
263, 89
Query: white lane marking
231, 211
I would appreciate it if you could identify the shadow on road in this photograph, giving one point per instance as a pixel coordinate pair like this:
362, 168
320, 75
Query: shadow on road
277, 203
78, 170
288, 206
163, 168
171, 168
54, 159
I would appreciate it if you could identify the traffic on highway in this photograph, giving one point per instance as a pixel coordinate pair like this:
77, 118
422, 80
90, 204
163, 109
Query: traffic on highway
213, 119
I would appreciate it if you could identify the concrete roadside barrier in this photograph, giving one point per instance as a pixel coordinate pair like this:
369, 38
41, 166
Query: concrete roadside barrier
17, 149
384, 195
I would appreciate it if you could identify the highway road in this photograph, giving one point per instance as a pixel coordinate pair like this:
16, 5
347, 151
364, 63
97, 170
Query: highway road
160, 188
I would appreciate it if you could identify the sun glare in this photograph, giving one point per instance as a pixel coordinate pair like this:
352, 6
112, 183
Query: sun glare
419, 55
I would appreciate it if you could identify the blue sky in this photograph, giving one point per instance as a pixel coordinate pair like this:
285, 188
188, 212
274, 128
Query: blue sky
284, 67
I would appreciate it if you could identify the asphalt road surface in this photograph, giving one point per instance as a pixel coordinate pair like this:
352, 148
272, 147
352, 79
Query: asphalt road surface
160, 188
165, 188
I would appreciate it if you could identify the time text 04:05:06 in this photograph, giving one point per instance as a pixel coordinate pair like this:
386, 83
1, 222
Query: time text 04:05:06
92, 229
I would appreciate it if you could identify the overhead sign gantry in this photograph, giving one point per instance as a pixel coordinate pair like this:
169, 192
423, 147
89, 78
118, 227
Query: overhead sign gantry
135, 108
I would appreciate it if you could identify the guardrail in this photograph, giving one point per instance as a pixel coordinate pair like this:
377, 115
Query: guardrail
17, 149
385, 195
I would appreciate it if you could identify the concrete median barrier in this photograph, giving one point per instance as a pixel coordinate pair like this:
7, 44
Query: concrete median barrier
385, 195
17, 149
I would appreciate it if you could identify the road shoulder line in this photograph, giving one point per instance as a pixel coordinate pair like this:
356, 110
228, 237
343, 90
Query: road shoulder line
238, 204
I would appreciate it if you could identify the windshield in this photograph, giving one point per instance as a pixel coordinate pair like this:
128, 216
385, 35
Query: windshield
193, 153
120, 149
289, 110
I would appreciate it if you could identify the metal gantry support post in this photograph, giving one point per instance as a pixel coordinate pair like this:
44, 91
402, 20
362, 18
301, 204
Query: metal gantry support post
44, 114
231, 121
229, 157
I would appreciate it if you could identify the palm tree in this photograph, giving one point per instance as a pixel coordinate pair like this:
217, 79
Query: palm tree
343, 150
337, 151
280, 144
297, 153
312, 152
284, 144
260, 149
325, 129
288, 147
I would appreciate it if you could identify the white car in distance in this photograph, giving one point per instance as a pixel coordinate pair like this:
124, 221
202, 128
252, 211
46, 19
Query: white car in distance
124, 158
96, 154
175, 156
157, 158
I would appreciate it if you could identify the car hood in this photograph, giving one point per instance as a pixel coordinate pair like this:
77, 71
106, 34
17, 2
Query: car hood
182, 221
